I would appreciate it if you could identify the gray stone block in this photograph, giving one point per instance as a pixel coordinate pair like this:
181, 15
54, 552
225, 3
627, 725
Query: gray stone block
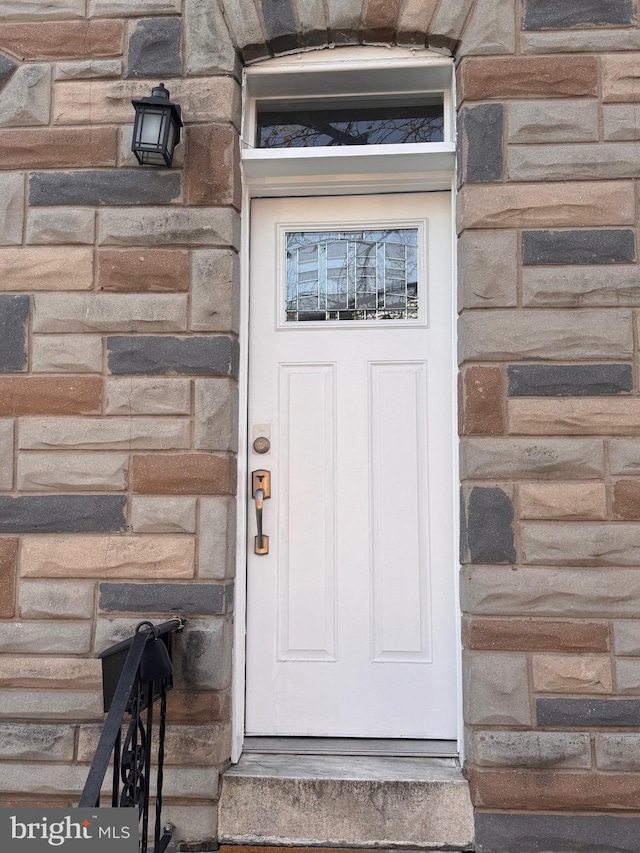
513, 458
627, 638
499, 832
596, 246
575, 543
531, 749
14, 315
553, 121
280, 24
104, 186
490, 526
203, 655
482, 128
206, 356
569, 380
208, 46
26, 98
609, 713
552, 15
36, 742
581, 286
11, 208
62, 513
7, 67
166, 226
154, 48
616, 751
572, 162
487, 269
496, 690
206, 599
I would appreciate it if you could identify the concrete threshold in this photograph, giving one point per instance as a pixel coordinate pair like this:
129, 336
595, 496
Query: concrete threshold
360, 802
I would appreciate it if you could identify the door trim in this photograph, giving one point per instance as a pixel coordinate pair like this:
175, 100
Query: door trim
381, 181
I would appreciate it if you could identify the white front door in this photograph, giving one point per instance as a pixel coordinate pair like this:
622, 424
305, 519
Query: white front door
351, 628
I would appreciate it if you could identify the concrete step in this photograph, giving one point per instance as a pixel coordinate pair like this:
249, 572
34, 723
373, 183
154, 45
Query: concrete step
346, 801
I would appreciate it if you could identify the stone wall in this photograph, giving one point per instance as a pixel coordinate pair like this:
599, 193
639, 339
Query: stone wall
118, 363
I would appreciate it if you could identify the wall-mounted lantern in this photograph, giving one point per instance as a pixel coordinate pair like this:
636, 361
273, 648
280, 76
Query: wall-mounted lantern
156, 130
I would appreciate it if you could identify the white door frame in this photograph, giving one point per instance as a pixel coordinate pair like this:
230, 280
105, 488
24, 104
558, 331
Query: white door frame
393, 169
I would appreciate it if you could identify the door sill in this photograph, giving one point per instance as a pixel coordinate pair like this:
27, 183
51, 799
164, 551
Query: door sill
397, 747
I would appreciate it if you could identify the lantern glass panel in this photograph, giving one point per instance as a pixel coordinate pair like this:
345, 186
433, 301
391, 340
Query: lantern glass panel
151, 127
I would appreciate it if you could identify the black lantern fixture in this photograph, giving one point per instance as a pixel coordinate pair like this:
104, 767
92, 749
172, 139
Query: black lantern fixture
156, 130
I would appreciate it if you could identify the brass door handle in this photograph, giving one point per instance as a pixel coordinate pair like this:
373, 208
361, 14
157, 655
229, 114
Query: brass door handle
260, 491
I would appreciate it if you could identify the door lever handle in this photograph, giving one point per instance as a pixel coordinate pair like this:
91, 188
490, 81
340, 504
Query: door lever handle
260, 491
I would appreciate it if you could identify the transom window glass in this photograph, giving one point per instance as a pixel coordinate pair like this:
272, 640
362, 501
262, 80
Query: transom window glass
343, 124
352, 275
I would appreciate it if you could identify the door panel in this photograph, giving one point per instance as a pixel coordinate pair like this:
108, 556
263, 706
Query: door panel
351, 628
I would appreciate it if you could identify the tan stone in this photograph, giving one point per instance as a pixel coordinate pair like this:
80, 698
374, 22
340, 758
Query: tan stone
66, 354
184, 474
64, 40
50, 672
107, 557
118, 8
575, 674
487, 269
539, 635
563, 500
586, 544
620, 78
482, 411
56, 599
102, 102
571, 416
137, 270
6, 453
57, 312
578, 286
184, 745
46, 268
216, 410
553, 121
61, 225
215, 291
88, 69
217, 539
554, 205
188, 706
163, 515
546, 77
491, 29
11, 208
520, 458
75, 472
22, 704
162, 226
413, 20
8, 570
39, 395
34, 9
55, 638
58, 148
147, 396
104, 433
213, 165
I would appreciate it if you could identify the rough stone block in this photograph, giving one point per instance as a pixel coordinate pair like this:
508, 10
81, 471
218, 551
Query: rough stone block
574, 416
72, 472
525, 635
487, 269
572, 204
155, 48
64, 40
482, 131
507, 335
53, 673
118, 433
8, 570
213, 165
205, 599
531, 749
192, 823
47, 637
553, 121
588, 713
65, 225
500, 832
215, 298
551, 592
50, 395
619, 122
33, 742
569, 380
208, 46
125, 8
205, 356
482, 410
183, 474
6, 453
626, 500
46, 268
581, 544
131, 557
216, 544
56, 599
563, 500
571, 674
628, 676
119, 186
25, 10
56, 312
11, 208
216, 410
109, 102
513, 458
7, 67
62, 513
581, 41
14, 315
616, 751
496, 689
48, 705
184, 745
246, 29
207, 706
449, 19
490, 534
543, 77
572, 162
26, 98
88, 69
549, 15
58, 147
163, 515
624, 455
581, 286
203, 655
66, 354
202, 226
143, 396
604, 246
627, 638
280, 24
140, 270
620, 75
491, 29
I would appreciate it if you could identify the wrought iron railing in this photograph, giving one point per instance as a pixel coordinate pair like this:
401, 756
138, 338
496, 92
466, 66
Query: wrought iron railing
137, 674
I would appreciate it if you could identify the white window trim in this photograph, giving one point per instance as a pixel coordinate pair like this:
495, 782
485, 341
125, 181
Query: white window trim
352, 72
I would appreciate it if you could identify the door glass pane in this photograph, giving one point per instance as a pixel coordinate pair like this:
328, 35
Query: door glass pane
352, 275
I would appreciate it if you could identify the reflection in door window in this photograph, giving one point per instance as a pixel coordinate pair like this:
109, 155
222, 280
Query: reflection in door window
352, 275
